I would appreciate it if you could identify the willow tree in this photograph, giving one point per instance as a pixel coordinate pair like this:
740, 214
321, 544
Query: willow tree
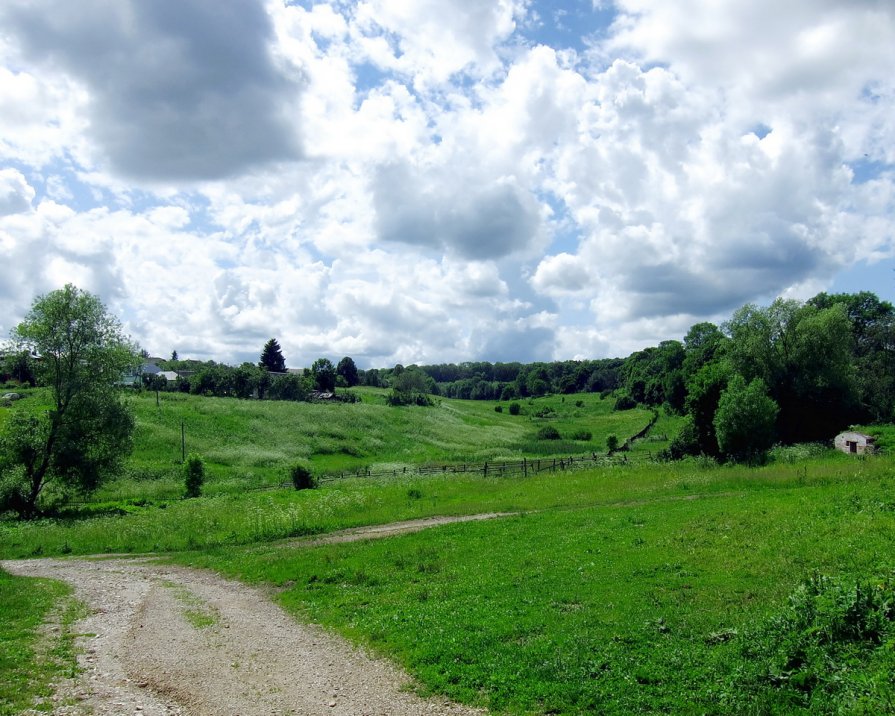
85, 435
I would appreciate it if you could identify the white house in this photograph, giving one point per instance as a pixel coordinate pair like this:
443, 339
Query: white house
855, 443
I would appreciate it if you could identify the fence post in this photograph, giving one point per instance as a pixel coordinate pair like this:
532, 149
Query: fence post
524, 467
485, 470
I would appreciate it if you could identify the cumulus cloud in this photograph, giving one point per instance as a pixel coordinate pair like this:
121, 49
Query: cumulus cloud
16, 194
176, 90
477, 219
466, 191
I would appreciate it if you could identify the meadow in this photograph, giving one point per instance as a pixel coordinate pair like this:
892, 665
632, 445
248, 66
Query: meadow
248, 444
647, 587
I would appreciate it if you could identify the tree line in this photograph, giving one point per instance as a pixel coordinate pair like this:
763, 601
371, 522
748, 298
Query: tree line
789, 372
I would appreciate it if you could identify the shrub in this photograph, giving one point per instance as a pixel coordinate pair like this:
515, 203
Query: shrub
301, 477
193, 475
625, 402
579, 403
498, 408
612, 442
515, 408
583, 435
545, 412
548, 432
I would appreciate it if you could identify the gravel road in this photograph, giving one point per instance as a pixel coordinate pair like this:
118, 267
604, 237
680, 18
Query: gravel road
169, 640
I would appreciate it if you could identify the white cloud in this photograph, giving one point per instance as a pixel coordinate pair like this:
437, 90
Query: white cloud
16, 194
460, 192
175, 91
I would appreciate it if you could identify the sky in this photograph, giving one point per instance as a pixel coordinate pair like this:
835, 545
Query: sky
427, 181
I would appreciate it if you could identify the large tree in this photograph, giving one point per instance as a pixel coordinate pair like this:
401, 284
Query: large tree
272, 357
324, 374
86, 434
348, 370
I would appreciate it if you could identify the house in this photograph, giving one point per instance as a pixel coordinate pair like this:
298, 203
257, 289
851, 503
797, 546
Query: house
855, 443
169, 375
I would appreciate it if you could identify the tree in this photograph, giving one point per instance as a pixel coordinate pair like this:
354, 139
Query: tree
272, 357
804, 356
86, 434
20, 366
348, 370
173, 355
324, 374
745, 420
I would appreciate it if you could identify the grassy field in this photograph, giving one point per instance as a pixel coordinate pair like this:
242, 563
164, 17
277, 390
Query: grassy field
252, 443
645, 601
30, 661
642, 587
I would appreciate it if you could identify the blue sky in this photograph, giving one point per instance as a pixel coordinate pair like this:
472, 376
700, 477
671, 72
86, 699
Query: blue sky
442, 180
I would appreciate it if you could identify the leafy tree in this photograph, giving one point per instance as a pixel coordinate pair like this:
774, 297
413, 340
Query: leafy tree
20, 366
173, 355
348, 370
324, 374
703, 394
411, 387
272, 357
86, 434
804, 356
745, 420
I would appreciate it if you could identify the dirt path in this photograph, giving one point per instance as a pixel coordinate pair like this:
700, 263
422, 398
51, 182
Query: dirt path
170, 640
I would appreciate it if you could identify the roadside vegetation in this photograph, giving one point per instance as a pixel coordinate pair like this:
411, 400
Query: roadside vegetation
31, 658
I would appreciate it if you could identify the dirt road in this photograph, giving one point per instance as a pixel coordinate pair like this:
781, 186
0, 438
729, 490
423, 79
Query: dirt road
170, 640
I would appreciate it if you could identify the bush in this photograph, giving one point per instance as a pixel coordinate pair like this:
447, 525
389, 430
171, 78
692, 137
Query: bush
301, 477
498, 408
193, 475
579, 403
625, 402
612, 442
583, 436
515, 408
548, 432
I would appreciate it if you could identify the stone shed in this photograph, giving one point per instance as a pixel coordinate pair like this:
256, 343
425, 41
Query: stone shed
855, 443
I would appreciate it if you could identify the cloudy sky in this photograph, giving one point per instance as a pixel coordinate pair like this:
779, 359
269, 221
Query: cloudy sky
424, 181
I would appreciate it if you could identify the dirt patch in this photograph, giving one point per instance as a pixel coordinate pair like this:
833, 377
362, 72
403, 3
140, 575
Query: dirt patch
164, 640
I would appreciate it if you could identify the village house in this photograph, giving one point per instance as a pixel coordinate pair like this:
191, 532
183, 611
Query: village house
855, 443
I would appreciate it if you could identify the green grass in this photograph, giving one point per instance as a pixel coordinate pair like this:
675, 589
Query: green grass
248, 444
637, 605
234, 519
29, 661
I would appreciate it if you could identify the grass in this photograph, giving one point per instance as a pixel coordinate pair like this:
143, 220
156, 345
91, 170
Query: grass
195, 610
30, 661
236, 519
252, 444
638, 605
657, 588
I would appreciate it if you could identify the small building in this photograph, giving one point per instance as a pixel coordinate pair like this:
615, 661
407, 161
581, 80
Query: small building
169, 375
855, 443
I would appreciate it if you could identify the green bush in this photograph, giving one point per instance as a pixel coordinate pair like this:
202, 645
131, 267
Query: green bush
515, 408
625, 402
193, 475
548, 432
301, 477
612, 442
498, 408
583, 436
